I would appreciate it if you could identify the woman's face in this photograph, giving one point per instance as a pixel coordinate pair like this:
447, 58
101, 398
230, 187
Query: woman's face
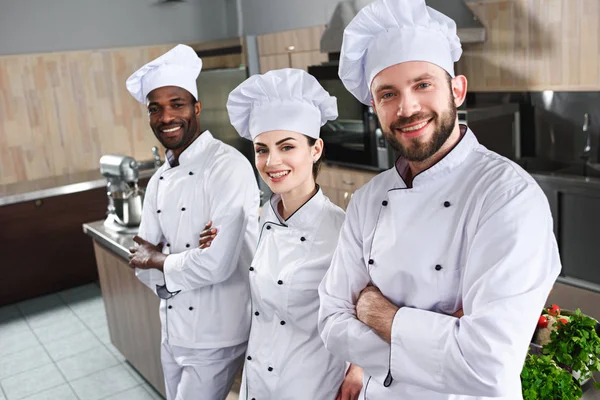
285, 160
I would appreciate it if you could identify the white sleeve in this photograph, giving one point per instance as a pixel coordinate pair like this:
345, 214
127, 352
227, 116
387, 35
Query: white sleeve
150, 231
233, 204
511, 267
343, 334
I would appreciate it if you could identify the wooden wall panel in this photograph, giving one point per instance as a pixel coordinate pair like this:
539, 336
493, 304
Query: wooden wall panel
535, 45
60, 112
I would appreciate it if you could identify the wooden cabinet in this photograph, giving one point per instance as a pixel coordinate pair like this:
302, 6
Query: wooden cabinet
43, 250
133, 316
297, 48
339, 184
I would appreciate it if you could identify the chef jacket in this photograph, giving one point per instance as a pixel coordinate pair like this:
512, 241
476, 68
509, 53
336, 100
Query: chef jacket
210, 303
474, 232
286, 358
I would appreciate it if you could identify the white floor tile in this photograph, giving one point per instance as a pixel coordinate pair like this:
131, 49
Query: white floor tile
134, 374
14, 325
93, 305
22, 361
153, 392
31, 382
86, 363
13, 342
102, 333
115, 352
60, 329
72, 345
94, 319
49, 317
137, 393
79, 293
103, 384
62, 392
40, 304
8, 313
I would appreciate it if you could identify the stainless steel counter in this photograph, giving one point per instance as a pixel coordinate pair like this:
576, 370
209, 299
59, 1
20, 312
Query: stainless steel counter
117, 242
55, 186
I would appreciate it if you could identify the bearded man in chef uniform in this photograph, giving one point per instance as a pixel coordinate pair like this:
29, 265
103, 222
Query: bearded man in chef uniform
452, 228
205, 298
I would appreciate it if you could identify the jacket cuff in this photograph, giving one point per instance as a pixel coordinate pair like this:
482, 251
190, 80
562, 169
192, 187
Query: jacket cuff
174, 276
417, 345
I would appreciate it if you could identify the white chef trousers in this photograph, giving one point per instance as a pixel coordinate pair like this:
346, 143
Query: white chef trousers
200, 374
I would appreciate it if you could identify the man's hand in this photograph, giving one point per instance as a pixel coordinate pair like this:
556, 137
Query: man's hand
207, 236
352, 385
147, 255
459, 313
375, 311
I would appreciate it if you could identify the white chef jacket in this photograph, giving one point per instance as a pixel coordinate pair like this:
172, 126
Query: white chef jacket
286, 358
213, 182
475, 231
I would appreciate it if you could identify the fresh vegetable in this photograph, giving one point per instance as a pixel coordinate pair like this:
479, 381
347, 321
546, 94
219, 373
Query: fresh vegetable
542, 322
542, 379
576, 346
554, 310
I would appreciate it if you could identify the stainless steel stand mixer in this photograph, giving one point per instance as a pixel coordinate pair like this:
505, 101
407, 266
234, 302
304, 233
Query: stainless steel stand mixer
125, 198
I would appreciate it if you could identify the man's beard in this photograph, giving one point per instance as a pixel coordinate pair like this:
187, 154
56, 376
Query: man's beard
189, 128
419, 151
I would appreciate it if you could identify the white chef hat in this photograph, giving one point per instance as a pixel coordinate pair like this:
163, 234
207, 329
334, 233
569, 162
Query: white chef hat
285, 99
390, 32
179, 67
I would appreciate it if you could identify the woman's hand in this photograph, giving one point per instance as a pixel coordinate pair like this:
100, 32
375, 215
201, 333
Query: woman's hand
207, 236
352, 385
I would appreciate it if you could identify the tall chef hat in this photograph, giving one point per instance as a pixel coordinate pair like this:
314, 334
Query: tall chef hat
390, 32
286, 99
179, 67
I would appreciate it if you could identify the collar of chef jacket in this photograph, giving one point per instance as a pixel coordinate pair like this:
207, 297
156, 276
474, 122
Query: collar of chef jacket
189, 155
465, 146
307, 215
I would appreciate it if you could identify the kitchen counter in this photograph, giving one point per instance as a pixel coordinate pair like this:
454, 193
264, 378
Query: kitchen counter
117, 242
56, 186
131, 307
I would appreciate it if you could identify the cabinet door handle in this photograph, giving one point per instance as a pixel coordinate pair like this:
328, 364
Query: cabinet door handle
291, 48
38, 203
345, 182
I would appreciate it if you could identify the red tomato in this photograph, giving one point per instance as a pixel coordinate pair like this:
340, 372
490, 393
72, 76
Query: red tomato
564, 321
542, 322
554, 310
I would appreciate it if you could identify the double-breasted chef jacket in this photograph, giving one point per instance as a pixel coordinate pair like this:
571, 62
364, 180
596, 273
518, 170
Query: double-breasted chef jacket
286, 358
207, 304
473, 232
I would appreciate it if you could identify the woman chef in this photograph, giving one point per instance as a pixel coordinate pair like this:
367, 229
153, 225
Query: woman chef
282, 112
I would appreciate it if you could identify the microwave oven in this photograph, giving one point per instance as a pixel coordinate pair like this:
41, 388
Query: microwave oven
355, 138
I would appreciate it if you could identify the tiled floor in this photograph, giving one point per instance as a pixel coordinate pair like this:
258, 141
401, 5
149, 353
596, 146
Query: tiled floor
58, 347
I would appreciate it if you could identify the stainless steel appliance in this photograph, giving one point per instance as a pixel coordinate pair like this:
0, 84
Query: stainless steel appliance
496, 126
355, 137
469, 29
125, 197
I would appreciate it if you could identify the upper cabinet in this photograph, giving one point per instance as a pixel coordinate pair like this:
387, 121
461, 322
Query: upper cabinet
296, 48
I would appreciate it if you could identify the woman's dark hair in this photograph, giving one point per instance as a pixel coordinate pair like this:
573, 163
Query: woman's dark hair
317, 165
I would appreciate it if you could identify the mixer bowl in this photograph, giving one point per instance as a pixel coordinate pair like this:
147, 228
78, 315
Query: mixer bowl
128, 209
